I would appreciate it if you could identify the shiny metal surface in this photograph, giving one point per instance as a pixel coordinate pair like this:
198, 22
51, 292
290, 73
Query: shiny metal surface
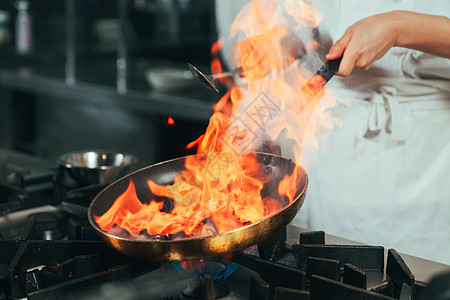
96, 166
196, 248
208, 80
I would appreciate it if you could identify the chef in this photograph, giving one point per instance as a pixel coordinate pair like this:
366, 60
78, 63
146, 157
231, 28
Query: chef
383, 178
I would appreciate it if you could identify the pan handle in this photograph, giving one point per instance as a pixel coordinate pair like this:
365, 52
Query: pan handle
329, 69
322, 76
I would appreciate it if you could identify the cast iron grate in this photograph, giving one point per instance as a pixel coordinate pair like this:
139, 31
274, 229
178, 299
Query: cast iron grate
56, 254
315, 270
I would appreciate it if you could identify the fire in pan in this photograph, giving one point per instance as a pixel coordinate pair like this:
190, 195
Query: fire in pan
199, 206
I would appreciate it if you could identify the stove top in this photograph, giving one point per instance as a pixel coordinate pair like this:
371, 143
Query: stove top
48, 250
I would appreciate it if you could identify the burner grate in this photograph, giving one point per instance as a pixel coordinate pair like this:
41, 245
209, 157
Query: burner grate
319, 271
42, 269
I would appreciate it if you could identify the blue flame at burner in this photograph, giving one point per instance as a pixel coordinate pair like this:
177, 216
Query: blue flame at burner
219, 268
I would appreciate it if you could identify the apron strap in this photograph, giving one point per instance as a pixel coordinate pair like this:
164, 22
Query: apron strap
390, 100
384, 113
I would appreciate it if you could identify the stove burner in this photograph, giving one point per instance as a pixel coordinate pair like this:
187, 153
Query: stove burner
208, 289
211, 275
47, 226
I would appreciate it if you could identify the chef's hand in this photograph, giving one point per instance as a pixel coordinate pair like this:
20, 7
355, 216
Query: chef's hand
369, 39
363, 43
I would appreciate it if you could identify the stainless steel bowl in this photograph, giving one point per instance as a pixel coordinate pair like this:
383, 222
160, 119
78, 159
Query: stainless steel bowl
96, 166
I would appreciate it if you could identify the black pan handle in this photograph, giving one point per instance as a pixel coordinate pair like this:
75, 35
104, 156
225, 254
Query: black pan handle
318, 81
330, 68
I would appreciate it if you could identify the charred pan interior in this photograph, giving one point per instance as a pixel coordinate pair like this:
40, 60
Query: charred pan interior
271, 169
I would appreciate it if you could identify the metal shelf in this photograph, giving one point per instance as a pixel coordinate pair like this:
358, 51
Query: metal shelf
195, 103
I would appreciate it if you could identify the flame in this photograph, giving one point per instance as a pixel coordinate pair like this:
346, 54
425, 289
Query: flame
170, 121
213, 195
215, 48
219, 268
261, 54
221, 190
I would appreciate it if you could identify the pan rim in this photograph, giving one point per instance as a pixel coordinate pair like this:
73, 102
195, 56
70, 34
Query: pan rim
177, 241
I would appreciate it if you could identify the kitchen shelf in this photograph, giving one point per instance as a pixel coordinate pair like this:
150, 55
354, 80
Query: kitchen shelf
97, 85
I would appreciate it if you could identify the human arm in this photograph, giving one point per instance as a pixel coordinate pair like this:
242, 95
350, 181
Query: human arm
369, 39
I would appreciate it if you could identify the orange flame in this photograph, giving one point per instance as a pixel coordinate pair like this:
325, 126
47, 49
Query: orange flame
261, 54
215, 48
218, 188
219, 192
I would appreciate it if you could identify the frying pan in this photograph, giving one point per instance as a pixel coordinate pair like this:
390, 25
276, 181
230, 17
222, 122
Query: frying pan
273, 167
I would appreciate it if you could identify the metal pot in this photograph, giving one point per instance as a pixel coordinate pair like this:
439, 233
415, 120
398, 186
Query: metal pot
96, 166
203, 247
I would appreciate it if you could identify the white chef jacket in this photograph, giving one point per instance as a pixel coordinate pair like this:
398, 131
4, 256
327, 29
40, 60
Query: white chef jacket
383, 176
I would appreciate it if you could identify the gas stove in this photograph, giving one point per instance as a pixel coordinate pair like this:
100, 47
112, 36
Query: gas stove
48, 250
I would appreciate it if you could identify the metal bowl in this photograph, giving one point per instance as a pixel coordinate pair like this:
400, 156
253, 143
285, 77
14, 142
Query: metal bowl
96, 166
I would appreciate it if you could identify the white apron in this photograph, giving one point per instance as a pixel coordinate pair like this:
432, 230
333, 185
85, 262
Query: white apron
385, 176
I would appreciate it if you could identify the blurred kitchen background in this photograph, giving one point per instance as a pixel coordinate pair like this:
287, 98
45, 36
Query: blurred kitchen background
104, 74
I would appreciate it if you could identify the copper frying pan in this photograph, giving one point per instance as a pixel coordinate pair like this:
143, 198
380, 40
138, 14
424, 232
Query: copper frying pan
203, 247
